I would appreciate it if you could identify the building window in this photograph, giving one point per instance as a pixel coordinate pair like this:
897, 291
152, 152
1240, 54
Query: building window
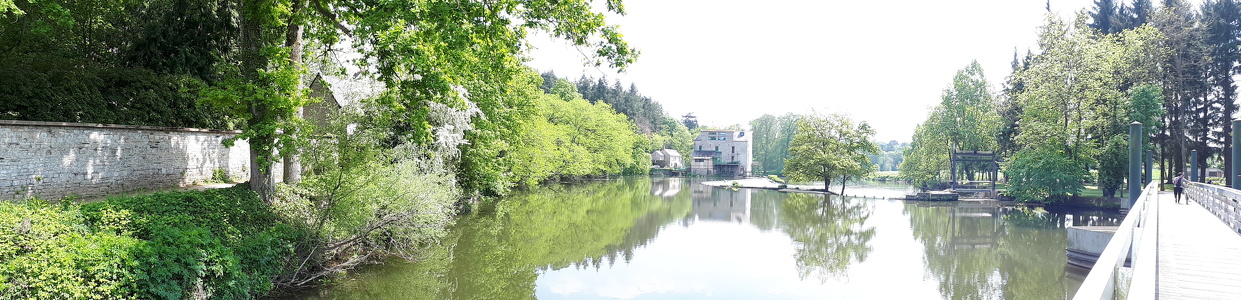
734, 149
723, 138
717, 148
699, 147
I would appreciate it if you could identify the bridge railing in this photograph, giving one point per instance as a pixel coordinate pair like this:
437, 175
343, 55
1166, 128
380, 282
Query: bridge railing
1220, 201
1134, 241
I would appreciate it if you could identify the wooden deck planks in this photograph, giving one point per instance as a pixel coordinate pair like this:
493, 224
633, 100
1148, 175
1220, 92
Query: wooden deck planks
1199, 257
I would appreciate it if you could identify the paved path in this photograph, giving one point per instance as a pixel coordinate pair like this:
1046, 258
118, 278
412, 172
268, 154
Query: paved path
1199, 257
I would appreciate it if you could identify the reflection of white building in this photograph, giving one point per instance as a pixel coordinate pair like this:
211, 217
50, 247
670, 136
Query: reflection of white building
721, 204
665, 187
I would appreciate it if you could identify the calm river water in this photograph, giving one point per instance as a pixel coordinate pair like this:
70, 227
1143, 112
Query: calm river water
672, 238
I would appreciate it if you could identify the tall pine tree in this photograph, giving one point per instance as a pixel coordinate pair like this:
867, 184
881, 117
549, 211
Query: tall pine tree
1104, 17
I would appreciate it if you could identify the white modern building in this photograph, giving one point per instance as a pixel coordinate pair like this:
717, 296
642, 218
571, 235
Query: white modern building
727, 152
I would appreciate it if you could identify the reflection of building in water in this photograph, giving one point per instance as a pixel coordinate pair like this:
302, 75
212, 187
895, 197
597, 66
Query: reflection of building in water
721, 204
973, 225
665, 187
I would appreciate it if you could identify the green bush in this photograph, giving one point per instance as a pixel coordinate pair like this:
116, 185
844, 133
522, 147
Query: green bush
224, 243
362, 199
218, 244
775, 178
47, 253
1044, 175
220, 175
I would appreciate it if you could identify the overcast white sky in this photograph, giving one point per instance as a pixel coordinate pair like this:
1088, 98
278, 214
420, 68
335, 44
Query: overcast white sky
884, 62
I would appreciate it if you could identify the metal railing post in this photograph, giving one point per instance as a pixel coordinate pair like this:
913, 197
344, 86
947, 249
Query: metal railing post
1236, 155
1193, 166
1135, 164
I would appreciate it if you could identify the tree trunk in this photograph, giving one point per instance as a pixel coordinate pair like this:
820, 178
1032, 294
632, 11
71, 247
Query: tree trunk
261, 179
1163, 169
293, 40
827, 180
843, 180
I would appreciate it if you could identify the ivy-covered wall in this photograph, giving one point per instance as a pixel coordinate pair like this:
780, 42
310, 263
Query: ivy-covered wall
52, 160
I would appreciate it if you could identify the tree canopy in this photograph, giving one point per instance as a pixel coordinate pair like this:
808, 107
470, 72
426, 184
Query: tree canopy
771, 136
830, 146
964, 120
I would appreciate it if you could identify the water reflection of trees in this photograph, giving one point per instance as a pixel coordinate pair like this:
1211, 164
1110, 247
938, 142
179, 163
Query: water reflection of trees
498, 253
829, 233
984, 251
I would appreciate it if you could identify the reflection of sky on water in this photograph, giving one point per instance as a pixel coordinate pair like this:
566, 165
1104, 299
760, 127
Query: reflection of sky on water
709, 259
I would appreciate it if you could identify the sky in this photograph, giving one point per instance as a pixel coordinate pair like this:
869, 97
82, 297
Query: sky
883, 62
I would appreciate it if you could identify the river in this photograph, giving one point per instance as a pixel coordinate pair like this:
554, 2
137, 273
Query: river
672, 238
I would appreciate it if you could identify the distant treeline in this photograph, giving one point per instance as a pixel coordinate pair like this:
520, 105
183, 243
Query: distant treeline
662, 131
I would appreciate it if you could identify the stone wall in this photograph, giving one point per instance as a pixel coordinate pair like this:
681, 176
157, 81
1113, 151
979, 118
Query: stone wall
50, 160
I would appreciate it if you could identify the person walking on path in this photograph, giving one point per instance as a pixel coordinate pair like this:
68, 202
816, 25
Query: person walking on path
1178, 186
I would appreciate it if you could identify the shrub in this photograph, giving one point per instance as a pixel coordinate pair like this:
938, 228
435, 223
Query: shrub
213, 244
223, 243
47, 253
231, 214
1044, 175
220, 175
363, 199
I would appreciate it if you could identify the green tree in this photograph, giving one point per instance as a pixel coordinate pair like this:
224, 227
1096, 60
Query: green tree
1135, 15
449, 52
1184, 85
7, 6
1072, 101
830, 146
660, 130
565, 136
1104, 17
771, 136
1223, 28
690, 121
1113, 165
965, 119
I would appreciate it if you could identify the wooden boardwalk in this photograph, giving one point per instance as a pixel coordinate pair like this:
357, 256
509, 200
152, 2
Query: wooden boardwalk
1199, 257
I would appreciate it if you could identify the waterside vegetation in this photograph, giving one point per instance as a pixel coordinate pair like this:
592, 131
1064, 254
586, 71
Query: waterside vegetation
1061, 121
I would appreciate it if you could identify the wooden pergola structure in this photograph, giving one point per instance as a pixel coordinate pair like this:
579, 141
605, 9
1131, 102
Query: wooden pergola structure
992, 170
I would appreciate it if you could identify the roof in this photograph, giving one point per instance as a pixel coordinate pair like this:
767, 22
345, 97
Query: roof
320, 85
